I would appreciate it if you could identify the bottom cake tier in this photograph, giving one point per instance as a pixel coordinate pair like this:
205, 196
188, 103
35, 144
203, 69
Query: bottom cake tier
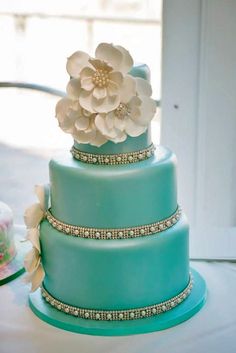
45, 310
117, 287
119, 274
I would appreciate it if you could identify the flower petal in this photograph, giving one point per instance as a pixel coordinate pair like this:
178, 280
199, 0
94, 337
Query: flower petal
84, 136
87, 72
135, 114
128, 89
120, 137
76, 62
116, 77
112, 88
132, 129
66, 114
127, 61
33, 237
85, 100
99, 140
105, 105
147, 111
32, 260
110, 54
110, 118
73, 88
135, 102
86, 78
87, 83
101, 125
40, 192
43, 195
82, 123
143, 87
62, 108
100, 65
99, 93
36, 278
33, 216
119, 124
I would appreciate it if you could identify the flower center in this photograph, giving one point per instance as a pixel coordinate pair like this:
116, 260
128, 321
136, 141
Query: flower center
101, 78
122, 110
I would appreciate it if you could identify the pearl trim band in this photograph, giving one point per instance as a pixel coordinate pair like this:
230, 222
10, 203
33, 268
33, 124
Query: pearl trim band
113, 159
114, 233
119, 315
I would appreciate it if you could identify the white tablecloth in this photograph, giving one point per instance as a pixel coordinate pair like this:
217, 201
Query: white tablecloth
212, 330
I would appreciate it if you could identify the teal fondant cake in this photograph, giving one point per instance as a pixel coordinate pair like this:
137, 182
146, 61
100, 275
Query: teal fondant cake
110, 242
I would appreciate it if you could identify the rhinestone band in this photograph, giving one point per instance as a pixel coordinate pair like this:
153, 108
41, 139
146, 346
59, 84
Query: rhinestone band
119, 315
114, 233
113, 159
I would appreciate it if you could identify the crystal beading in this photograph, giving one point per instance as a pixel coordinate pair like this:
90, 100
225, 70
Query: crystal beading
113, 159
119, 315
114, 233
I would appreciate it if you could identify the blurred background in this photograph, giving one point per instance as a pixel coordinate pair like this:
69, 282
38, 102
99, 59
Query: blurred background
36, 39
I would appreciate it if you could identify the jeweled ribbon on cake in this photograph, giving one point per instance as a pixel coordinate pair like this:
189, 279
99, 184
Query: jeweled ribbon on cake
119, 315
114, 233
113, 159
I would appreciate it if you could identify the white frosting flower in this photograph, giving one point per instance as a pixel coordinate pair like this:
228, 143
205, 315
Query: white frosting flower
131, 117
78, 122
33, 216
35, 213
102, 78
103, 101
32, 262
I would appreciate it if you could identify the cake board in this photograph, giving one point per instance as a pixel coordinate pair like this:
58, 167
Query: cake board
173, 317
15, 267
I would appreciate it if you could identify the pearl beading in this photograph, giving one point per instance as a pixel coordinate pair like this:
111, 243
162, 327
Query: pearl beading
113, 233
101, 78
119, 315
113, 159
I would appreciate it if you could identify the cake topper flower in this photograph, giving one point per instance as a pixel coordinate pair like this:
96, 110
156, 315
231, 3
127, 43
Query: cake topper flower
131, 117
103, 101
102, 79
33, 217
78, 122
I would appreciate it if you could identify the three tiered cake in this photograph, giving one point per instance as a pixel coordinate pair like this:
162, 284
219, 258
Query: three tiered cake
110, 242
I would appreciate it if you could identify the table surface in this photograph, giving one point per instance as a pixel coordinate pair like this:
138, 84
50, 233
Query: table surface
213, 329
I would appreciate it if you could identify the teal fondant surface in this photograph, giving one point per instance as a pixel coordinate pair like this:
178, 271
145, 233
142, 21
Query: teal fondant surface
115, 274
114, 196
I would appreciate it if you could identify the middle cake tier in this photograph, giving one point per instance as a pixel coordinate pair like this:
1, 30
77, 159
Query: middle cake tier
114, 196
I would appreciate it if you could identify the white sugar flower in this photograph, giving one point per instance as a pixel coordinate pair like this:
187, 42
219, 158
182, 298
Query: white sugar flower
103, 101
78, 122
33, 216
131, 117
98, 82
33, 266
35, 213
